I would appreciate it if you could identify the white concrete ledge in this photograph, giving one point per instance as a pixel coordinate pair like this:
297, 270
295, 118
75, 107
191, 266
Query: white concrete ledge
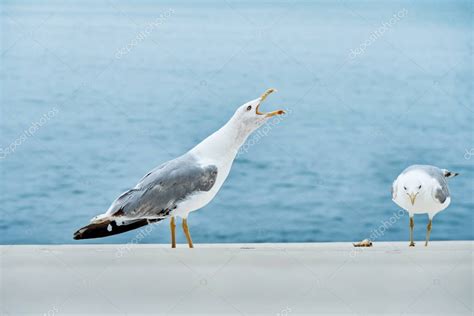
228, 279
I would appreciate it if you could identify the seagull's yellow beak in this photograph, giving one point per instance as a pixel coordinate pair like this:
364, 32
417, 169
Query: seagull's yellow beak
412, 197
262, 98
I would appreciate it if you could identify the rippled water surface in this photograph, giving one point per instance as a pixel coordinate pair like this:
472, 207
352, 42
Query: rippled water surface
93, 96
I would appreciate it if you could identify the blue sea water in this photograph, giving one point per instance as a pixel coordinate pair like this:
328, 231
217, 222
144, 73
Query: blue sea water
95, 94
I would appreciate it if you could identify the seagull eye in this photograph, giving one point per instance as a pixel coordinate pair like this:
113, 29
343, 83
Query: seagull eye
419, 187
405, 188
249, 108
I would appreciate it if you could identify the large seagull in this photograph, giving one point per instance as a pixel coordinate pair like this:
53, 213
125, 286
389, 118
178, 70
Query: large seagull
184, 184
421, 189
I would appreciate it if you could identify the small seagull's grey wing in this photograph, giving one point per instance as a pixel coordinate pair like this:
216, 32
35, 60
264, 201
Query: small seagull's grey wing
441, 194
441, 191
159, 192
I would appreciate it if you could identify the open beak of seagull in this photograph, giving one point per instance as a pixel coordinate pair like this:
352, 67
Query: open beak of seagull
412, 197
262, 98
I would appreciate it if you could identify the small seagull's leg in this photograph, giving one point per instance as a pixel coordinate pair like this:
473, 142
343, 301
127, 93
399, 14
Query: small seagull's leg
428, 231
173, 230
412, 224
186, 232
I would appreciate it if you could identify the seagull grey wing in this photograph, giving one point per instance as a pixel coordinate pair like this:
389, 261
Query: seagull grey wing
440, 195
159, 192
441, 192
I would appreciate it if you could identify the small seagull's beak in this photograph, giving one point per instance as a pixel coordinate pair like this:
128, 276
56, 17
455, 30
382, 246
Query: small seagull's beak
412, 197
262, 98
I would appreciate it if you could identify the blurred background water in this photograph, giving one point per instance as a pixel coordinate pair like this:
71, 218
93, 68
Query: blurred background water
109, 96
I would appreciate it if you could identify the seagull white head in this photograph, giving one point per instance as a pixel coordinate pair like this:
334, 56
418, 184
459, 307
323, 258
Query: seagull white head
249, 117
412, 186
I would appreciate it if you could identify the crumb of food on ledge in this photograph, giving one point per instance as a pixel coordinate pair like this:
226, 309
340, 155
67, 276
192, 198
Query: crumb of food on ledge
363, 243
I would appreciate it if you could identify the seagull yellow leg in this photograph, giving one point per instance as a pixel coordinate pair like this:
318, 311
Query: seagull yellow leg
186, 232
173, 232
428, 231
412, 224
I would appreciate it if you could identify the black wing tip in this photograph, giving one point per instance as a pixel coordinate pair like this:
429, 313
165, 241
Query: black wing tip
449, 174
79, 234
96, 230
86, 232
108, 228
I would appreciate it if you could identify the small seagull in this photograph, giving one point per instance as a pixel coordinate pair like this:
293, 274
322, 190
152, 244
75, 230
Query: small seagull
422, 189
184, 184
